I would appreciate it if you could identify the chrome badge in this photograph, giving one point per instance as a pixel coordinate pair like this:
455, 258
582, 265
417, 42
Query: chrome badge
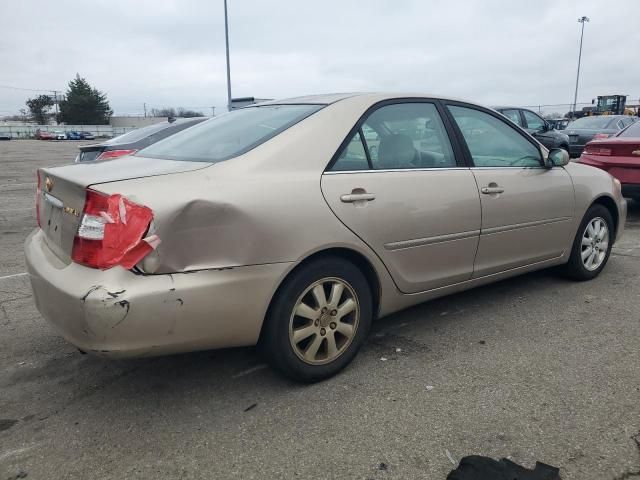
71, 211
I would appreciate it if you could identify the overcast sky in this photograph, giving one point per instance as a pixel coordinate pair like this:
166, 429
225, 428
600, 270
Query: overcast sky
171, 52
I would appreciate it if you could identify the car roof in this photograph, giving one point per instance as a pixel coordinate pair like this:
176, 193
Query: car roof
329, 98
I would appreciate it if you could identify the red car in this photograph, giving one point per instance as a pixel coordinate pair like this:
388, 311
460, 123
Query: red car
620, 156
42, 135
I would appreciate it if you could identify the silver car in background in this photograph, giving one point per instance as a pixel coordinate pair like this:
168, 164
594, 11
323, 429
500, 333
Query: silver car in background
294, 224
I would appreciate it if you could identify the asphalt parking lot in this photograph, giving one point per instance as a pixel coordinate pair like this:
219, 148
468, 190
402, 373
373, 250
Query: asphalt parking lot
533, 368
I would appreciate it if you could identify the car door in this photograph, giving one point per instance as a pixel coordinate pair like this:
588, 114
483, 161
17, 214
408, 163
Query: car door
408, 198
527, 209
536, 126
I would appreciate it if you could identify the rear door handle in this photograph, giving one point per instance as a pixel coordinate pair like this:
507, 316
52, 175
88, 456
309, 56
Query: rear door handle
491, 190
357, 197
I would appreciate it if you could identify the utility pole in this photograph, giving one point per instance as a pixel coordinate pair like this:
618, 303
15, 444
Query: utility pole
581, 20
55, 102
226, 38
213, 111
145, 109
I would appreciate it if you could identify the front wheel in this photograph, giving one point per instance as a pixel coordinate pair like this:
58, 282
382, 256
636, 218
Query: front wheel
318, 321
592, 244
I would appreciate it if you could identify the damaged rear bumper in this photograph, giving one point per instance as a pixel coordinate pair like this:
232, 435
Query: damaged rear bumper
118, 313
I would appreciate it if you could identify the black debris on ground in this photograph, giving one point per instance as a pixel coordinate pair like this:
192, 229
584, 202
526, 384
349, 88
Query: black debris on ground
475, 467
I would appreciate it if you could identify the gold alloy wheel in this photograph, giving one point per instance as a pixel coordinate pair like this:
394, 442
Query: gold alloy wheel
324, 321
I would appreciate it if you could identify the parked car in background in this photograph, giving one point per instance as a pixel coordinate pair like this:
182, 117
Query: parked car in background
620, 156
5, 136
59, 135
558, 123
537, 126
279, 226
86, 136
585, 129
130, 142
43, 135
73, 135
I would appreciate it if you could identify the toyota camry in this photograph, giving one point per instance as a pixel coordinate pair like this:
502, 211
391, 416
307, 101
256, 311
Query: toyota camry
294, 224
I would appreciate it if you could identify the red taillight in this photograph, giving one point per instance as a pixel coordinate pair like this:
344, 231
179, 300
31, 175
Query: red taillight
38, 195
596, 150
87, 243
600, 136
111, 154
110, 232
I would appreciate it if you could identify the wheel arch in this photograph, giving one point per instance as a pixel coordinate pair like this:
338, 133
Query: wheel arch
348, 254
610, 204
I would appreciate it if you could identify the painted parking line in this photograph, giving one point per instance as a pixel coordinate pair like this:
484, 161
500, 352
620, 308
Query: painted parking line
30, 184
14, 275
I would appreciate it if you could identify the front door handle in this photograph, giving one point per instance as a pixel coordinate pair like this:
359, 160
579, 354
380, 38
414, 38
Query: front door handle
357, 197
492, 189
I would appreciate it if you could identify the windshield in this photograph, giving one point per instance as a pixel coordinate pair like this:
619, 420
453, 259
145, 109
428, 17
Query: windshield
591, 122
229, 135
632, 130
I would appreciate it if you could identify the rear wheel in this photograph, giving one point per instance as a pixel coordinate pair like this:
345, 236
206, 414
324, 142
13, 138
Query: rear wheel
318, 321
592, 244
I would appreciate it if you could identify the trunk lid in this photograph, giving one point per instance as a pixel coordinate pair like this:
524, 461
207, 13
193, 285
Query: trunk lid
618, 147
63, 189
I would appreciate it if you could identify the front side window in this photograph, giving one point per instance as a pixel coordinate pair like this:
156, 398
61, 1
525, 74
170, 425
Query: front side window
492, 142
400, 136
534, 122
513, 115
229, 135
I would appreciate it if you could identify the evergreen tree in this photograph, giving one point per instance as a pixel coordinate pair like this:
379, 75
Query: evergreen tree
84, 105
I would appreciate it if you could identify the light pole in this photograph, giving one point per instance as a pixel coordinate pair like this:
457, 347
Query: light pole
581, 20
226, 38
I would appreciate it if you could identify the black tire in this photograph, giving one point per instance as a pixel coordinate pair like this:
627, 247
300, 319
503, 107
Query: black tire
275, 342
575, 267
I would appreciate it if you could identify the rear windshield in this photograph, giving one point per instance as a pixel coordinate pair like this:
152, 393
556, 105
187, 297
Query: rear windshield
632, 130
229, 135
591, 122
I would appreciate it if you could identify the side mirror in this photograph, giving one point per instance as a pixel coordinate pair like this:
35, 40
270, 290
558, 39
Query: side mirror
558, 157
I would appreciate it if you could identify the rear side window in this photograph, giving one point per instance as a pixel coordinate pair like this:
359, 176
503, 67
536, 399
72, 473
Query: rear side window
492, 142
229, 135
353, 156
400, 136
